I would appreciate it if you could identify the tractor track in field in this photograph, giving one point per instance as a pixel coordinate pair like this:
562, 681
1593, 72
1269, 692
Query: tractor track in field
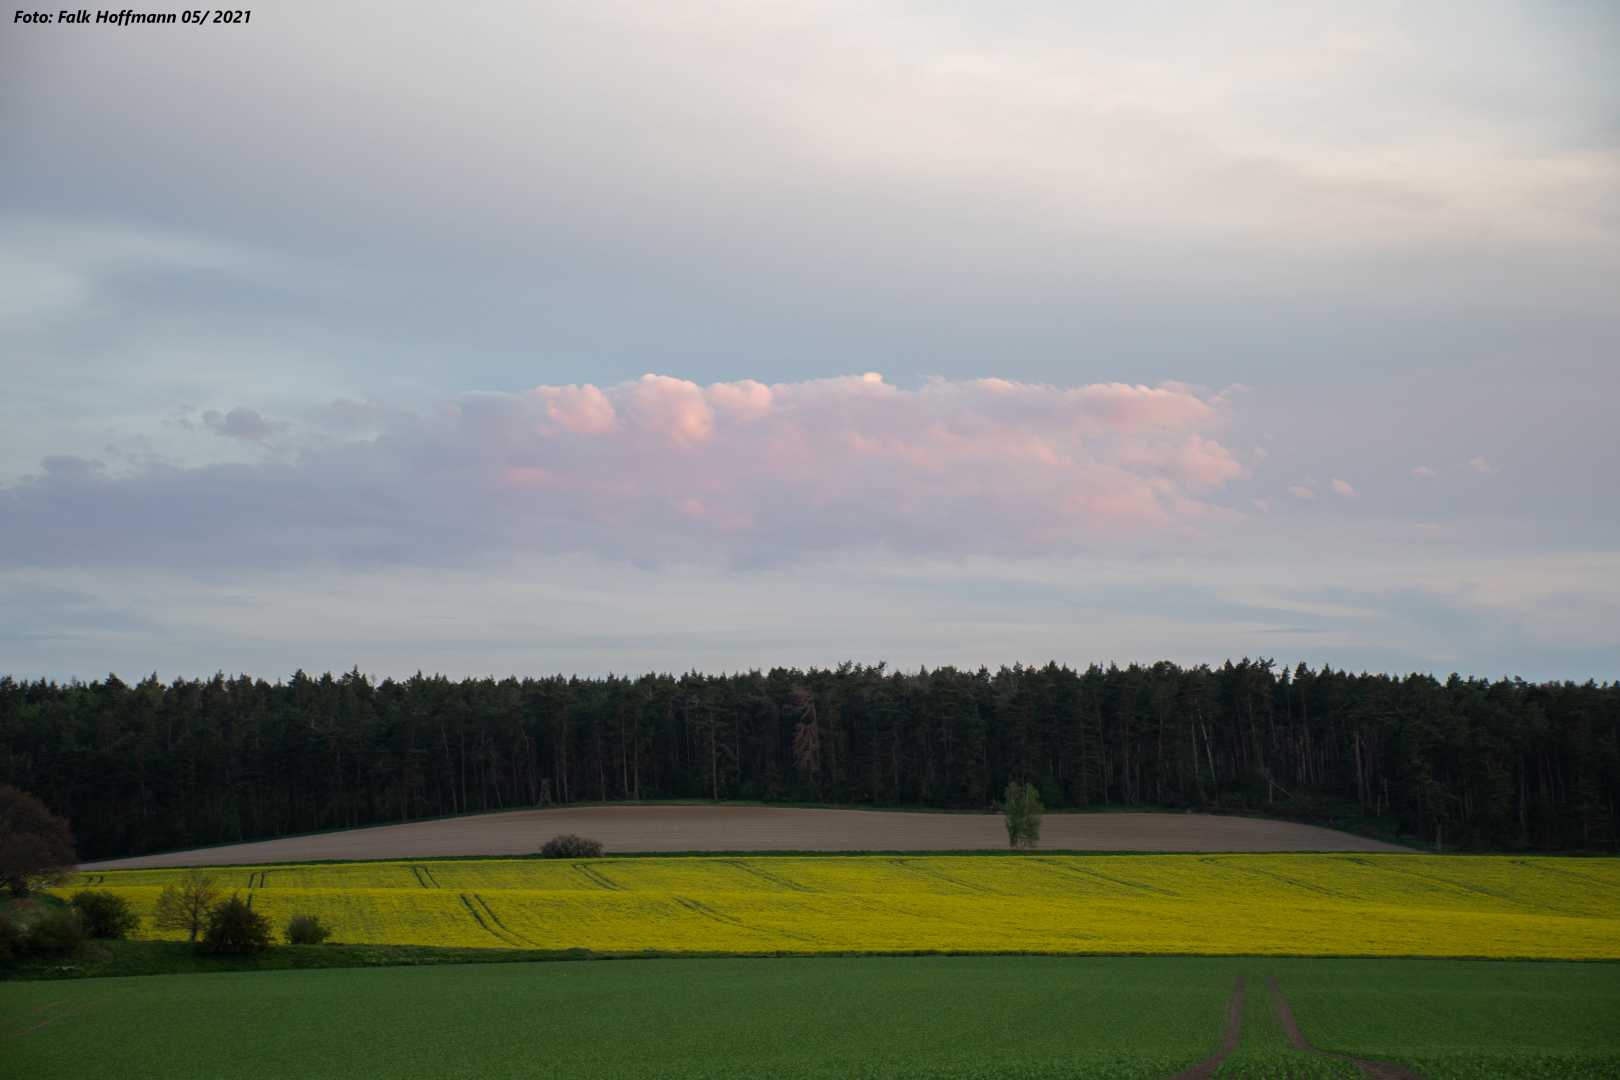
1234, 1031
503, 935
52, 1019
1378, 1070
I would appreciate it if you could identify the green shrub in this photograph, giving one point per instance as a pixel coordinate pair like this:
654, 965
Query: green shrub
105, 914
569, 846
306, 930
58, 932
12, 940
235, 929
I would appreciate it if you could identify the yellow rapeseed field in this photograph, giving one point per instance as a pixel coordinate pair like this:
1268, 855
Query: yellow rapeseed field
1279, 904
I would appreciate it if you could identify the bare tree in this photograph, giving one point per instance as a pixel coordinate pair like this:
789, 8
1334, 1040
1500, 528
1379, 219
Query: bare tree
187, 904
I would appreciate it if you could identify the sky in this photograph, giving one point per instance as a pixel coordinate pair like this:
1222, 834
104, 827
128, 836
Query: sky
620, 337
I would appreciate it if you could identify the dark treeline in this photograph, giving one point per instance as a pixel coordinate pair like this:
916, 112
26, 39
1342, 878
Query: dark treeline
1497, 765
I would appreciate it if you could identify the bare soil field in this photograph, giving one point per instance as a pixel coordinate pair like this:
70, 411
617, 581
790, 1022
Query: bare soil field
764, 828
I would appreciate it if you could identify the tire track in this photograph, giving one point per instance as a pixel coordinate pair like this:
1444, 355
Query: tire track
774, 879
497, 935
1284, 878
1378, 1070
504, 928
596, 877
1091, 874
50, 1019
1234, 1031
31, 1012
697, 908
905, 864
425, 878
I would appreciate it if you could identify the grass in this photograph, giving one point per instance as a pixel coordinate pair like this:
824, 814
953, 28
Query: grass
911, 1018
1274, 904
942, 1018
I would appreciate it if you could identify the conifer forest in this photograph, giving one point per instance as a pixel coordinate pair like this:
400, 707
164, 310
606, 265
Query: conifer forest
1478, 764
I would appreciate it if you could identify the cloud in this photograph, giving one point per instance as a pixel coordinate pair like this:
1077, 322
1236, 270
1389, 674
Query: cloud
1480, 465
1300, 492
660, 469
241, 423
1424, 470
1342, 488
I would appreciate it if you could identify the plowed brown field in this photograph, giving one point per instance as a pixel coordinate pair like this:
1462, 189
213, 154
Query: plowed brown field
761, 828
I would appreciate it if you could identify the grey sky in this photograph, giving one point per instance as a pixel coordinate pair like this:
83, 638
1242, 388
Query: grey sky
1396, 226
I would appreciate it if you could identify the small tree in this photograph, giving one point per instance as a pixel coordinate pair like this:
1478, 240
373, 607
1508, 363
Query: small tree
236, 929
569, 846
186, 904
1022, 805
306, 930
105, 914
36, 846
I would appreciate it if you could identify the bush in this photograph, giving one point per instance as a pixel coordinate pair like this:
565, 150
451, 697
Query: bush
236, 929
12, 941
306, 930
58, 932
569, 846
105, 915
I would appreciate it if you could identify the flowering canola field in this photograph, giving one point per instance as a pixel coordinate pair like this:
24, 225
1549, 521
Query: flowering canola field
1268, 904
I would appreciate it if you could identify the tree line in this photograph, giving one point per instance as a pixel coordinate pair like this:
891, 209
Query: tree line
1502, 765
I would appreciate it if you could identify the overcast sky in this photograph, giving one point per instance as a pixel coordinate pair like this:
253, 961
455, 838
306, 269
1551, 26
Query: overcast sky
617, 336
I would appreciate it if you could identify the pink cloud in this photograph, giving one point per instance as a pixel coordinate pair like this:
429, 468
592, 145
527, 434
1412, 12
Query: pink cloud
1343, 488
745, 400
582, 411
672, 408
980, 465
1480, 465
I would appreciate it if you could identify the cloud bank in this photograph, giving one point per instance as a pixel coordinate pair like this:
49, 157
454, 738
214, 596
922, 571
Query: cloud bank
656, 470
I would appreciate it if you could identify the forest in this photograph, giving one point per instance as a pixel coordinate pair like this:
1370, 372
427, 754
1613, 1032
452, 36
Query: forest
1476, 764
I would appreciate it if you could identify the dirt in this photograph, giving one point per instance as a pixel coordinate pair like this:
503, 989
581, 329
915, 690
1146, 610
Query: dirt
1378, 1070
1234, 1031
765, 828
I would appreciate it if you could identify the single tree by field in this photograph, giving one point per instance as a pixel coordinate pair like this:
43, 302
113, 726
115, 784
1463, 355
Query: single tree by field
36, 846
236, 929
1022, 806
186, 904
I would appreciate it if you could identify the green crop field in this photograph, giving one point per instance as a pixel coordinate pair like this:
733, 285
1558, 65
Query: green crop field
938, 1017
1456, 1020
